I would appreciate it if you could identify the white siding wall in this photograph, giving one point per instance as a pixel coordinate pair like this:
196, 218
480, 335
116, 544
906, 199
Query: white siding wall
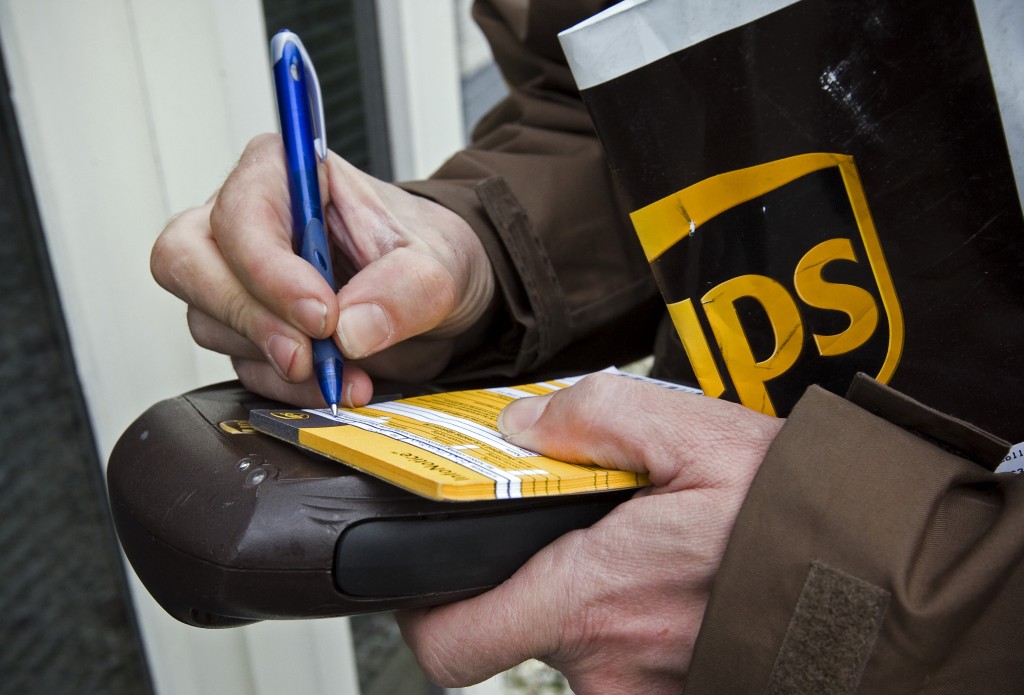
421, 83
131, 110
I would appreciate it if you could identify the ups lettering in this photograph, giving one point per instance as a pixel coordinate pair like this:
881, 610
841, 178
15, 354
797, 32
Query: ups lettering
782, 309
775, 279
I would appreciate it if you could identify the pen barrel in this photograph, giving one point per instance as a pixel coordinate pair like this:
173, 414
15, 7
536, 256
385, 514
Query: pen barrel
305, 204
309, 239
296, 117
315, 250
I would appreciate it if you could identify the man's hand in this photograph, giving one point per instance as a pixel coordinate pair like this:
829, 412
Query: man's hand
414, 276
616, 607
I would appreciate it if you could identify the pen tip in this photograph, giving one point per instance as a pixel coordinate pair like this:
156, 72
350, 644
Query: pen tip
334, 408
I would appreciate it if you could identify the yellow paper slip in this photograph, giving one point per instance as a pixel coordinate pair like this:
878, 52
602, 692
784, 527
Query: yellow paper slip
443, 446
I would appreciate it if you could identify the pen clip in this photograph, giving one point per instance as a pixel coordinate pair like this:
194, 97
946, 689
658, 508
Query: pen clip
312, 87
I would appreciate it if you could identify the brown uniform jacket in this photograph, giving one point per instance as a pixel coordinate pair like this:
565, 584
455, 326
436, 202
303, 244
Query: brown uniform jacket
875, 553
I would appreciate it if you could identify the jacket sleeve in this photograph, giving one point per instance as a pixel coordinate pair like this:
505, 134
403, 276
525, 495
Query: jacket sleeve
876, 553
535, 186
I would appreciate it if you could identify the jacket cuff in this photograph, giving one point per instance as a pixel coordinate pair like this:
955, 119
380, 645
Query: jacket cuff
872, 545
532, 321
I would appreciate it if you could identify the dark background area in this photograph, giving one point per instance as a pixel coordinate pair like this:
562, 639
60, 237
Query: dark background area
66, 622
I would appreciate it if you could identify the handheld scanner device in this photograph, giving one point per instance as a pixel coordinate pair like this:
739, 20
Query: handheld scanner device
226, 526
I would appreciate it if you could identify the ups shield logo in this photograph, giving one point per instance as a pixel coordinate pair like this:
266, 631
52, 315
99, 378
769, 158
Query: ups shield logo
775, 279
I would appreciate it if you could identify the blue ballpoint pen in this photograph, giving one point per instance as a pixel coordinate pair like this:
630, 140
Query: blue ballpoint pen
301, 111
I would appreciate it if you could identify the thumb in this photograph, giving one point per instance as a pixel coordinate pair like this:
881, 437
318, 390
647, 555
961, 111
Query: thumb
602, 419
396, 297
681, 440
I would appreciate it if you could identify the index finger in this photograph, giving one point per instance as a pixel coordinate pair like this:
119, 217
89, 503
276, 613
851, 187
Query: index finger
251, 223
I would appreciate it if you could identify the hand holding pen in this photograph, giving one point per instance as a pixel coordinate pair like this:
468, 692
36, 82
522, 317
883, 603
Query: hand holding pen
413, 277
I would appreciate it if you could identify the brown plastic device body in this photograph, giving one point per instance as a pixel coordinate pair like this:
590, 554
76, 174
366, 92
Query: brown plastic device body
226, 526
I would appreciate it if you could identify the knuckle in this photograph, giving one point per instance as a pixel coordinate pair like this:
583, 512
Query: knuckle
249, 375
165, 252
159, 259
599, 392
262, 141
599, 382
172, 251
437, 282
200, 327
196, 327
262, 150
255, 151
435, 289
223, 209
234, 310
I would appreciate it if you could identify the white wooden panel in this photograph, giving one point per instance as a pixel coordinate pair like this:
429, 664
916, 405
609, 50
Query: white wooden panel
310, 656
421, 83
131, 110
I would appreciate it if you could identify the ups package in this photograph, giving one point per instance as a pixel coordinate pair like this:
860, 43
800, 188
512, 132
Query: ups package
821, 188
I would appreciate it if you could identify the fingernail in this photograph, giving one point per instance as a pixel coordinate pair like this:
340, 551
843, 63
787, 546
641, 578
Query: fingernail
362, 328
310, 315
519, 415
281, 353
